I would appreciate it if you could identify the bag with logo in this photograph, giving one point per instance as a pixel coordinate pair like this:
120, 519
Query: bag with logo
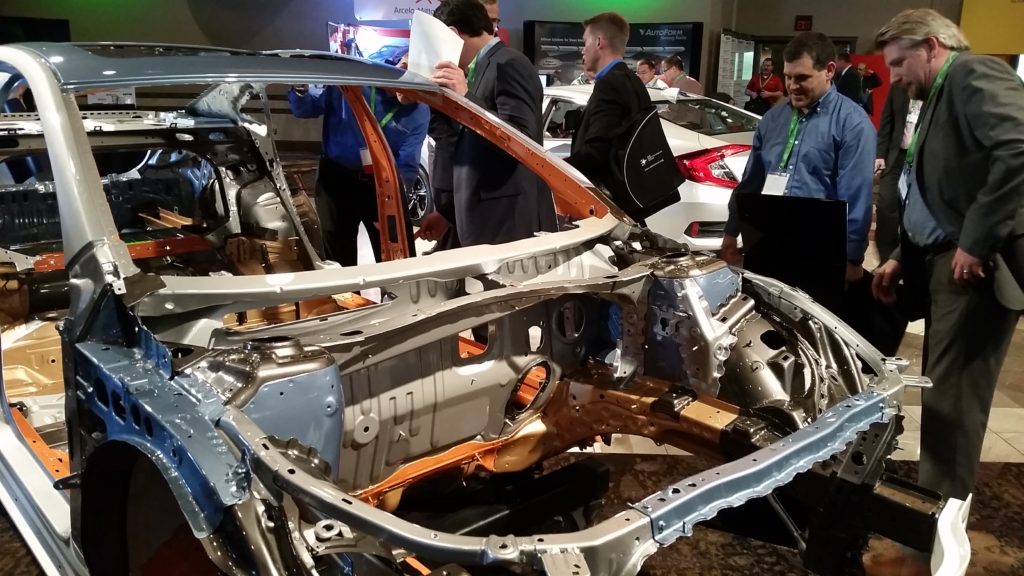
645, 176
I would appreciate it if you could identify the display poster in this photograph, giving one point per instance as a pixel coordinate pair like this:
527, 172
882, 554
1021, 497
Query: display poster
392, 9
555, 48
735, 65
726, 65
376, 43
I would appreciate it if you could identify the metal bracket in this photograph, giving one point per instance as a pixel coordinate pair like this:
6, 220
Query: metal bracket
565, 563
69, 482
329, 537
917, 381
21, 261
897, 363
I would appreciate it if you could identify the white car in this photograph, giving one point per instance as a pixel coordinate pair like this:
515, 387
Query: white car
710, 140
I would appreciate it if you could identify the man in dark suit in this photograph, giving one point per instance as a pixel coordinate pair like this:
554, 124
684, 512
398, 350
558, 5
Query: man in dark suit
899, 116
847, 81
442, 184
618, 95
496, 199
963, 194
869, 80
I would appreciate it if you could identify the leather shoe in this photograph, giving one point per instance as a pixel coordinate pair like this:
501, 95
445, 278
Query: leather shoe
891, 559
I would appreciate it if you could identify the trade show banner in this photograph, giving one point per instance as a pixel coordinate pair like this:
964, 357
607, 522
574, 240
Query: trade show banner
392, 9
555, 47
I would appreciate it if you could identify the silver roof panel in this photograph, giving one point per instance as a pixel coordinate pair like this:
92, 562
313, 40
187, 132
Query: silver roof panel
111, 65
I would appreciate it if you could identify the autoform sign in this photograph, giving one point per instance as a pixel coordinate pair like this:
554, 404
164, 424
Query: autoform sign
392, 9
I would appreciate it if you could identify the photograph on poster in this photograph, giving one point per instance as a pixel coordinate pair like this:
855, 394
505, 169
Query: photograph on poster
555, 47
386, 45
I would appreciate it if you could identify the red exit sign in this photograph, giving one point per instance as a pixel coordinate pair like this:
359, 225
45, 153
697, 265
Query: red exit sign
803, 23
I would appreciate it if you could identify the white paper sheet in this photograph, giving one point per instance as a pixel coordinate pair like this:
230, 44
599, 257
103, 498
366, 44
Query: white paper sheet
430, 42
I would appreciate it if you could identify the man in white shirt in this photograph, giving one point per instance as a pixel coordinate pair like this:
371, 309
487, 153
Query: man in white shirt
646, 70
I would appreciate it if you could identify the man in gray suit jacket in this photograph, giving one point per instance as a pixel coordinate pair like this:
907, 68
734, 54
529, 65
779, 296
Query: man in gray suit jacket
496, 199
963, 193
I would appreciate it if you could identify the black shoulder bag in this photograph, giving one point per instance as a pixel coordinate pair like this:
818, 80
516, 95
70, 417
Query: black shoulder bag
644, 175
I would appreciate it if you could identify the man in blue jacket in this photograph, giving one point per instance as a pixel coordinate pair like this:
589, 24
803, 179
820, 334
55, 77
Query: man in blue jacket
345, 192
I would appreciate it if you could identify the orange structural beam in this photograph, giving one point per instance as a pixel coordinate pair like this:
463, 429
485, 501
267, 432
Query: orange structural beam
571, 198
137, 250
394, 244
55, 461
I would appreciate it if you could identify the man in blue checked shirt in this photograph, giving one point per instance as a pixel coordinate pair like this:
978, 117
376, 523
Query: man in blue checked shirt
819, 145
345, 191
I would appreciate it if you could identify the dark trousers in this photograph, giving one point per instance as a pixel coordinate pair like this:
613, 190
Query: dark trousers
444, 203
344, 200
887, 210
966, 341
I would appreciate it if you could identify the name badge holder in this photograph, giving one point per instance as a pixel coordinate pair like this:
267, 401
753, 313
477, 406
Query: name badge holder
776, 183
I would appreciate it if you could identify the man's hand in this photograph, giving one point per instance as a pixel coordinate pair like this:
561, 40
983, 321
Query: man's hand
887, 276
451, 76
432, 227
854, 272
301, 89
879, 165
966, 268
730, 251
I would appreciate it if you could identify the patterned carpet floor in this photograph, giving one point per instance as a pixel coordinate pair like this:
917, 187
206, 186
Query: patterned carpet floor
997, 538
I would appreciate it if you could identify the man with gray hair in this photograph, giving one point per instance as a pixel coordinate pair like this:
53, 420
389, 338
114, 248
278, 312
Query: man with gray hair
962, 193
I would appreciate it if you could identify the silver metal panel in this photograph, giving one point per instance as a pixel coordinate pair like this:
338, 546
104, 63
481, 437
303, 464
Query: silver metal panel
243, 292
429, 399
103, 66
306, 408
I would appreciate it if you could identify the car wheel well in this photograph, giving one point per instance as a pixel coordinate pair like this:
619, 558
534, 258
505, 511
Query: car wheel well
128, 511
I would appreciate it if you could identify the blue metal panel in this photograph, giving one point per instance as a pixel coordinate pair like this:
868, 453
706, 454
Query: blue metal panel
130, 391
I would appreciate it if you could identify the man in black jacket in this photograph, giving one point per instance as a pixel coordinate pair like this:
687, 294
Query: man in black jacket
847, 81
495, 198
899, 116
618, 95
